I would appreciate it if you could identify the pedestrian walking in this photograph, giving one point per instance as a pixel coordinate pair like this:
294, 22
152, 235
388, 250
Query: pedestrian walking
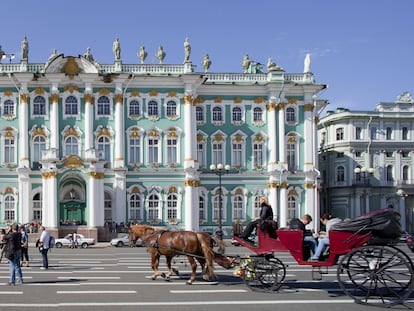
13, 252
44, 243
25, 247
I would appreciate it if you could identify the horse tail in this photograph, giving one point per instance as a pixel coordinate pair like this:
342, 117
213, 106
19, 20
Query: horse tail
208, 252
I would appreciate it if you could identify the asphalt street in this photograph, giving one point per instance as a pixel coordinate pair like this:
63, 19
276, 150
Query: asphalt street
108, 278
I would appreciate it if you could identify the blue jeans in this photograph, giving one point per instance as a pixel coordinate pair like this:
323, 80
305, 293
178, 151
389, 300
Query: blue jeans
44, 258
312, 243
14, 267
322, 244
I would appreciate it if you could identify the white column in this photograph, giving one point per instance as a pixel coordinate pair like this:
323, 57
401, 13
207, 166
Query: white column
24, 131
309, 134
191, 213
310, 207
283, 207
272, 139
54, 122
119, 196
88, 121
281, 132
273, 201
49, 198
190, 133
96, 199
119, 131
25, 215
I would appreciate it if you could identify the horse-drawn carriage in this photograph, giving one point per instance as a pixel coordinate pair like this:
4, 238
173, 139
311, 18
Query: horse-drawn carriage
370, 268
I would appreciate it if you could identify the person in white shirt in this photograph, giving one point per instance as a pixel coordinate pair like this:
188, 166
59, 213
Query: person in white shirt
323, 242
44, 247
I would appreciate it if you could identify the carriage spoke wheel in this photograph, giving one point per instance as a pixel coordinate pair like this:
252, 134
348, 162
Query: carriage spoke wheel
264, 273
376, 275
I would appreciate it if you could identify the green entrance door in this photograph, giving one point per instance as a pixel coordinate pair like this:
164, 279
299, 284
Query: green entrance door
72, 213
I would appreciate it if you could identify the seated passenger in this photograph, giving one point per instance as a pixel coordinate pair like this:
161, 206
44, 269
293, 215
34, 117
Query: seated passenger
266, 213
300, 224
323, 242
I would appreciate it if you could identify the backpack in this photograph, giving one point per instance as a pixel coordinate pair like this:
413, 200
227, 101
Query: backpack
52, 242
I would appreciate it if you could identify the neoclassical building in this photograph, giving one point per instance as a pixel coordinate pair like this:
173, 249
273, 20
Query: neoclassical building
367, 159
84, 143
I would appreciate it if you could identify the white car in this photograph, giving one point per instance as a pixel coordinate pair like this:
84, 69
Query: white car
81, 241
123, 241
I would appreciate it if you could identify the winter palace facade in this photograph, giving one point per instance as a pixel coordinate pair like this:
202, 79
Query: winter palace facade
85, 144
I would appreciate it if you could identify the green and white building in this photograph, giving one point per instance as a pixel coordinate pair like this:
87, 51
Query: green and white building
84, 143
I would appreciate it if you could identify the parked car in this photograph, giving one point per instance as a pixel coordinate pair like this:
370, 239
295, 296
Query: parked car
82, 241
410, 242
123, 241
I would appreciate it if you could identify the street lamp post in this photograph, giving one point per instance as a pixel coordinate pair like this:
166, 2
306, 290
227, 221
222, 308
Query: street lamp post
220, 170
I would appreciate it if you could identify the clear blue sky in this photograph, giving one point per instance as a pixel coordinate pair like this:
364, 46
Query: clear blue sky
362, 49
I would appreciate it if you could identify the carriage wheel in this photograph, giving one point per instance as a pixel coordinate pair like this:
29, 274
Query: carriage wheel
376, 275
264, 273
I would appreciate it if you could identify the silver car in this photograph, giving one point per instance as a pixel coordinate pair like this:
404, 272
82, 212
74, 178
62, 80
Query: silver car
123, 241
81, 241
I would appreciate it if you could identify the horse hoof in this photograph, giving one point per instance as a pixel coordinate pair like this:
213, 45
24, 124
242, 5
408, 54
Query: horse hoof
153, 277
176, 271
189, 283
163, 275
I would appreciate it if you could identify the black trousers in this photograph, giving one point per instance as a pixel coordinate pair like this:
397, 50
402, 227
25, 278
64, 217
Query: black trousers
249, 228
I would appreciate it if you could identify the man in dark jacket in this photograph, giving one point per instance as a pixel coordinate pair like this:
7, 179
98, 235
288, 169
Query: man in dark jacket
13, 253
300, 224
266, 213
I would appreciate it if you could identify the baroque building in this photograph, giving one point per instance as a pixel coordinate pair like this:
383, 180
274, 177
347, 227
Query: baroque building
366, 160
84, 144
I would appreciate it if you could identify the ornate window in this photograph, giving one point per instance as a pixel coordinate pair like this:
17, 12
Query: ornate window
238, 146
202, 208
290, 115
71, 106
201, 150
71, 146
404, 133
104, 149
358, 133
107, 206
257, 115
104, 106
153, 109
238, 207
217, 116
8, 108
259, 152
340, 133
153, 208
134, 109
135, 207
172, 201
9, 146
291, 207
171, 109
39, 106
256, 207
388, 133
218, 152
37, 207
200, 115
405, 173
9, 208
172, 151
237, 116
216, 207
291, 155
390, 173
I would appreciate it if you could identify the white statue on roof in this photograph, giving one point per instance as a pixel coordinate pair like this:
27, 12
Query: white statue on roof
307, 63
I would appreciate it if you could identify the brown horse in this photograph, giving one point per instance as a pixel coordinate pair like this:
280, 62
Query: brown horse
191, 244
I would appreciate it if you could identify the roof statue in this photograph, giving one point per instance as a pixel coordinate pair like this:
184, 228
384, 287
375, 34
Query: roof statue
161, 54
116, 48
88, 55
187, 50
306, 63
206, 63
25, 49
1, 54
142, 54
246, 63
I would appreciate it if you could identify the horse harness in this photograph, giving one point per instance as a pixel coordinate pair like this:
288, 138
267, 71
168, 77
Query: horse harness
157, 245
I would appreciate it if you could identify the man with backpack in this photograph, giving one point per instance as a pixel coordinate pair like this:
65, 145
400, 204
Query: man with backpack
44, 245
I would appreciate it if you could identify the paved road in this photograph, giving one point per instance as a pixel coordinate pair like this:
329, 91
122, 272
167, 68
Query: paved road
109, 278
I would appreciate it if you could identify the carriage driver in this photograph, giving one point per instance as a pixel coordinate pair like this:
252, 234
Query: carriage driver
266, 213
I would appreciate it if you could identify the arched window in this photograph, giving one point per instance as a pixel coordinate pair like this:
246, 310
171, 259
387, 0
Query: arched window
256, 207
290, 114
257, 114
237, 114
153, 108
9, 208
71, 105
199, 114
8, 107
104, 149
37, 207
405, 172
39, 106
135, 210
201, 208
9, 150
238, 207
135, 149
172, 206
107, 206
134, 108
171, 108
291, 208
104, 108
390, 176
153, 205
217, 114
71, 146
39, 144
